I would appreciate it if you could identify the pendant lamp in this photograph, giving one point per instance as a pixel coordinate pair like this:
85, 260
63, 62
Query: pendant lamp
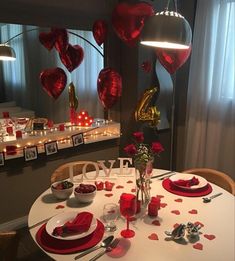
167, 29
7, 53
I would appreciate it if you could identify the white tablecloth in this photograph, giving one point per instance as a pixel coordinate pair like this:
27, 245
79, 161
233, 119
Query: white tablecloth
217, 218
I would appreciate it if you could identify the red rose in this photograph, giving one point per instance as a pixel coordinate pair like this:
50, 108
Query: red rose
157, 147
139, 136
130, 149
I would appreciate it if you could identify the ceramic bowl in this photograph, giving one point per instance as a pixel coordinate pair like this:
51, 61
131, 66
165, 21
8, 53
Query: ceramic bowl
85, 193
60, 191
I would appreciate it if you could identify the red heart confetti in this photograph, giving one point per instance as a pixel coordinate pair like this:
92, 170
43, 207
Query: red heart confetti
179, 200
108, 195
129, 181
108, 185
159, 196
153, 236
59, 206
210, 237
198, 246
198, 223
156, 223
119, 187
175, 212
162, 205
176, 225
193, 211
133, 190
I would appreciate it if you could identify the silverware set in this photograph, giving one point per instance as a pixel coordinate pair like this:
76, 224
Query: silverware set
164, 175
109, 243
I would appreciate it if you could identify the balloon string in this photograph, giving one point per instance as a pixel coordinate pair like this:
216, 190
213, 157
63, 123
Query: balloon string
68, 32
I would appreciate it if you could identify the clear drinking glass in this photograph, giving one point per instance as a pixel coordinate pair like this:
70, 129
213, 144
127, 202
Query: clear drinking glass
110, 215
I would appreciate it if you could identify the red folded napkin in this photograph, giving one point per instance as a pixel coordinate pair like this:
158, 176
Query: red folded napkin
186, 183
80, 224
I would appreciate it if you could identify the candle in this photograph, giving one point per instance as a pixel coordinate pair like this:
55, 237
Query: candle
61, 127
152, 209
18, 134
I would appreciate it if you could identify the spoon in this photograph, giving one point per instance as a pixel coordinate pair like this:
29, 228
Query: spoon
105, 243
208, 199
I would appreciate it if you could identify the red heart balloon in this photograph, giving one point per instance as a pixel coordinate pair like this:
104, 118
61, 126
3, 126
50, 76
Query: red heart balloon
47, 39
128, 20
172, 60
62, 40
53, 81
100, 30
72, 57
109, 87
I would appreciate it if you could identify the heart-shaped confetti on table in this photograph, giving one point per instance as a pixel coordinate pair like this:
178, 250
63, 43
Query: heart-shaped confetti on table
176, 212
119, 187
133, 190
129, 181
198, 223
198, 246
59, 206
179, 200
162, 205
153, 236
108, 195
156, 223
193, 211
159, 196
176, 225
210, 237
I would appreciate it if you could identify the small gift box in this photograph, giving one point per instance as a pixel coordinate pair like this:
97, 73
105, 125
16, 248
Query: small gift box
50, 123
11, 150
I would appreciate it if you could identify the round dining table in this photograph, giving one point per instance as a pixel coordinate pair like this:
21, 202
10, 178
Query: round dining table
216, 235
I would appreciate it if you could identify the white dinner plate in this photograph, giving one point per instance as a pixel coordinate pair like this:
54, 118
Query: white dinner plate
202, 182
61, 219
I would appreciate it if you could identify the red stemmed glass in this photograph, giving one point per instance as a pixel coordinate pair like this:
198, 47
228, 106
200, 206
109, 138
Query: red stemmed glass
127, 209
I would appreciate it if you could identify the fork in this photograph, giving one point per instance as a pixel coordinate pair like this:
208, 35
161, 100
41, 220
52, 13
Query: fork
108, 249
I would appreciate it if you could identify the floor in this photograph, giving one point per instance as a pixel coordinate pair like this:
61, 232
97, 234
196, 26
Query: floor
28, 250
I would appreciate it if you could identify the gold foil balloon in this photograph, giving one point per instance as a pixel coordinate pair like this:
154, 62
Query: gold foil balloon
147, 113
73, 100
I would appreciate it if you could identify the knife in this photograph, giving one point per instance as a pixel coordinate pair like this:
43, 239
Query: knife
105, 243
163, 174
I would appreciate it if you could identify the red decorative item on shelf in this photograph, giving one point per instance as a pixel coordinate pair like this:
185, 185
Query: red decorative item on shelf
72, 57
53, 81
99, 185
18, 134
172, 60
61, 127
11, 150
50, 124
5, 114
62, 39
128, 20
109, 87
84, 120
9, 130
100, 30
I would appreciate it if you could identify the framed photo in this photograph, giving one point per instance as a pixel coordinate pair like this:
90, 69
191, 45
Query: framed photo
30, 153
51, 148
77, 139
2, 159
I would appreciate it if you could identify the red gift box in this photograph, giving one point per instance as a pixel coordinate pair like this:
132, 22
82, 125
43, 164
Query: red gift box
11, 150
18, 134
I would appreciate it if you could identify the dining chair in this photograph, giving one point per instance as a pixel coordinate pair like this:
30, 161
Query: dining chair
76, 167
219, 178
9, 242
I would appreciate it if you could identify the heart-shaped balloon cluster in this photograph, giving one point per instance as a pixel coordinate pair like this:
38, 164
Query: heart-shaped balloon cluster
53, 81
128, 20
109, 87
172, 60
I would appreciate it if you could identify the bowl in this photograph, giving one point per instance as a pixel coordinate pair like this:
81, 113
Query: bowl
62, 189
85, 193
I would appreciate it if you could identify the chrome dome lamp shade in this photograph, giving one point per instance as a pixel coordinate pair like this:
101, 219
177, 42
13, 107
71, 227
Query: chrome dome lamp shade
7, 53
167, 29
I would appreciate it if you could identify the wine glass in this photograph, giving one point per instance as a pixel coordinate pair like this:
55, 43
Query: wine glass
110, 215
128, 209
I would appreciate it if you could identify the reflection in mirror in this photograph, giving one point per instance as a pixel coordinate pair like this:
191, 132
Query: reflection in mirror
20, 79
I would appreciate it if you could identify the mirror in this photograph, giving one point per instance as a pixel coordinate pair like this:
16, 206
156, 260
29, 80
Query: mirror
21, 78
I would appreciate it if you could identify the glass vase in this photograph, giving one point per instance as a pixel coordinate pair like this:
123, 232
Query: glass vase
143, 172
